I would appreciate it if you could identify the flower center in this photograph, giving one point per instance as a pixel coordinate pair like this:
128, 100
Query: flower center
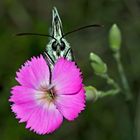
46, 95
49, 95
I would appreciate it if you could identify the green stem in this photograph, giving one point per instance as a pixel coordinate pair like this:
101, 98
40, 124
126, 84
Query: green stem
93, 94
110, 81
116, 89
109, 92
125, 84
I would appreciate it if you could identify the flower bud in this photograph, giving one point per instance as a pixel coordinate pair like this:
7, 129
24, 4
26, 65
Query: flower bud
97, 64
91, 93
115, 38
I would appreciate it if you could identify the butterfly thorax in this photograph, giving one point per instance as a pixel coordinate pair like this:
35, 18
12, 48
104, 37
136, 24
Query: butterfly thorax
57, 48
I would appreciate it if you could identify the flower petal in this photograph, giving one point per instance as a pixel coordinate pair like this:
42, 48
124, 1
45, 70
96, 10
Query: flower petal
34, 73
71, 105
66, 77
23, 99
21, 94
45, 120
41, 117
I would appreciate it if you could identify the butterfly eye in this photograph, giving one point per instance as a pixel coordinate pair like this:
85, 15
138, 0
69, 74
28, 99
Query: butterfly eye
54, 46
62, 47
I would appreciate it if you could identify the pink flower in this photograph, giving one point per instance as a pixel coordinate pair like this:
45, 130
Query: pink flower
43, 98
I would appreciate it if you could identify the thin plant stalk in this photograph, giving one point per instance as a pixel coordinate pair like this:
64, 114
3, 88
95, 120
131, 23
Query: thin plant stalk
124, 80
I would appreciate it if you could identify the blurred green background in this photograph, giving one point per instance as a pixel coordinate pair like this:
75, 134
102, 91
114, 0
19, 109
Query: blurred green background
107, 118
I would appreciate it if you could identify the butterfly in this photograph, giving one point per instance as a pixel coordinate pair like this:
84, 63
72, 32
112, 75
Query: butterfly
58, 46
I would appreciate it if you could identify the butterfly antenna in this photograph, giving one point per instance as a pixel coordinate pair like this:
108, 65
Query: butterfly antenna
81, 28
36, 34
